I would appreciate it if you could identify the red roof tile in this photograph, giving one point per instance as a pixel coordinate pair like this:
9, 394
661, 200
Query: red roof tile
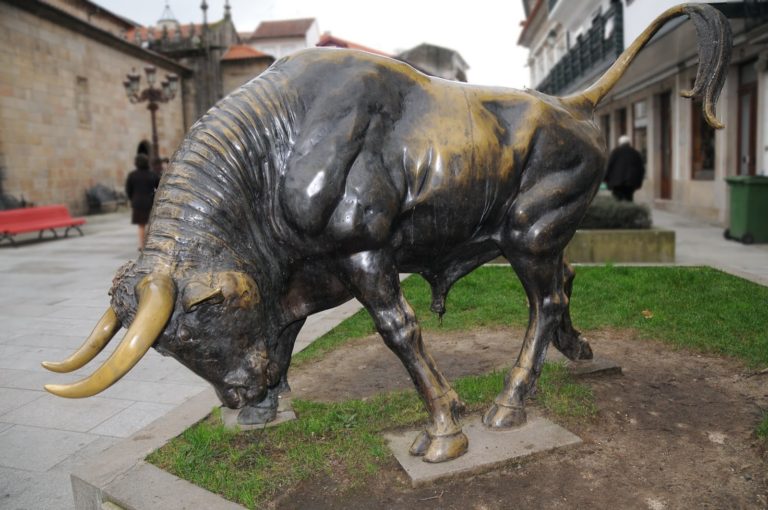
242, 52
329, 40
282, 28
157, 32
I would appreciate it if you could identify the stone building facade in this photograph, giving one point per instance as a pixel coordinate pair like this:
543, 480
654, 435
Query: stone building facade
65, 122
687, 162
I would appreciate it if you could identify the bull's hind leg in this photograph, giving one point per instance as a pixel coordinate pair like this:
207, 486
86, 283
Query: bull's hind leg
542, 282
540, 224
568, 339
373, 279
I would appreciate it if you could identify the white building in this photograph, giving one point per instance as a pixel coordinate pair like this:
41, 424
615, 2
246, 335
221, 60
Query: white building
283, 37
573, 43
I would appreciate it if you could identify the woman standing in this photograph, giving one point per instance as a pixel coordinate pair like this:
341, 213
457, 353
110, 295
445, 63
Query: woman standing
140, 188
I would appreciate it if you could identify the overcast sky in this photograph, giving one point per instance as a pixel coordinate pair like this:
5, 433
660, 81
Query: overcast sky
484, 32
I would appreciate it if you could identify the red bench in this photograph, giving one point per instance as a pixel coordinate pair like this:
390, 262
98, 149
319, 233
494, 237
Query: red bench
32, 219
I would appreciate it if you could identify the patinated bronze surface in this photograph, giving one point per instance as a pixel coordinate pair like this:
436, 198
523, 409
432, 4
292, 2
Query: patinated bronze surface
334, 171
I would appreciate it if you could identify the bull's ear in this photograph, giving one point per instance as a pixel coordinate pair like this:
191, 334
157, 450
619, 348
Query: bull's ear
238, 288
197, 292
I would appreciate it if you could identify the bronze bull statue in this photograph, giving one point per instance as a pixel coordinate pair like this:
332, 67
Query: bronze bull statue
332, 172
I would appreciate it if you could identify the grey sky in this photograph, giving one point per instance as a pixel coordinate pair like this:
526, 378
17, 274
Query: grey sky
484, 32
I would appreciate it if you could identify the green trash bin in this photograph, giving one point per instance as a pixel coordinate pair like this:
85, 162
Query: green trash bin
749, 209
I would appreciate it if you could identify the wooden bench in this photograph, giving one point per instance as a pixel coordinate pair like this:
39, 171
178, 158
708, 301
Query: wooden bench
32, 219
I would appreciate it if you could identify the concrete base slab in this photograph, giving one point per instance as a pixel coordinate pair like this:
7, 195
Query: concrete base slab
284, 413
487, 448
595, 367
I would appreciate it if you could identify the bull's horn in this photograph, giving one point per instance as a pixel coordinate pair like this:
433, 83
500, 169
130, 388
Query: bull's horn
98, 339
157, 294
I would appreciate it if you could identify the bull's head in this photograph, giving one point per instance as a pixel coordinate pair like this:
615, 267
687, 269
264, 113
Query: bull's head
209, 322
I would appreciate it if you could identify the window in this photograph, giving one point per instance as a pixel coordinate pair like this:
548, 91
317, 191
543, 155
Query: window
640, 128
82, 102
622, 121
702, 145
605, 125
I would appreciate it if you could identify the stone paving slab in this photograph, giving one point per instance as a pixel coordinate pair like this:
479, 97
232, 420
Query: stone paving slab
39, 449
14, 483
134, 417
153, 392
76, 415
12, 398
487, 449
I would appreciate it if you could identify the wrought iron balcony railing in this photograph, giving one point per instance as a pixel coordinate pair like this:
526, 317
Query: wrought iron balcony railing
756, 13
590, 50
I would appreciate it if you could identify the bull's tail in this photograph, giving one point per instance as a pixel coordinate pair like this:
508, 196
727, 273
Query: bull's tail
715, 40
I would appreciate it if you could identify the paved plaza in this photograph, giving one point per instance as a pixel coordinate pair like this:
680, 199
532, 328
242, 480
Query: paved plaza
53, 292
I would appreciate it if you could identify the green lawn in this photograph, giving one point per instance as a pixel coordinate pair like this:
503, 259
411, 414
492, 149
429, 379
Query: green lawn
697, 308
700, 308
762, 429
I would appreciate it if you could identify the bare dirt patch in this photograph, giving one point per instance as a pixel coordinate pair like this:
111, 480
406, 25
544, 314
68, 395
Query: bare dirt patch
674, 431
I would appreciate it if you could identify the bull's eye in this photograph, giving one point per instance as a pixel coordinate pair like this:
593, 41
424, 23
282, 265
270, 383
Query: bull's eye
184, 335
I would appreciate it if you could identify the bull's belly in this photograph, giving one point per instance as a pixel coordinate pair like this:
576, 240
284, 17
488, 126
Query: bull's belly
429, 242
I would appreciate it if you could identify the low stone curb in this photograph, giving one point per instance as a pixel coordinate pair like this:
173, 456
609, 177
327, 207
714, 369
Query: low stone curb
119, 478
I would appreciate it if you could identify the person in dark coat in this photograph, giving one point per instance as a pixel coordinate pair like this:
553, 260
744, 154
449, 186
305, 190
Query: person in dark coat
140, 187
625, 170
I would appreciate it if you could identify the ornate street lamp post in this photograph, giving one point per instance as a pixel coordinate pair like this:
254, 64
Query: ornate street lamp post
154, 96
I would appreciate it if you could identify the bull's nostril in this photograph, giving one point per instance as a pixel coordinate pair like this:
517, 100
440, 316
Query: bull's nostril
237, 377
253, 394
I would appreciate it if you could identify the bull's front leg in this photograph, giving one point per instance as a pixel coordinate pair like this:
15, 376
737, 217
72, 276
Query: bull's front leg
280, 359
373, 279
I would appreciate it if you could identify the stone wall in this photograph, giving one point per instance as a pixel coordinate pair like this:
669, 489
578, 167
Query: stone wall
237, 72
65, 123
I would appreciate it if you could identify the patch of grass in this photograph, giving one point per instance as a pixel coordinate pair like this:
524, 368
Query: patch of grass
762, 430
342, 440
698, 308
556, 392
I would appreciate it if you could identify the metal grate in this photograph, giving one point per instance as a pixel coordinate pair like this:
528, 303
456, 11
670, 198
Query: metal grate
590, 50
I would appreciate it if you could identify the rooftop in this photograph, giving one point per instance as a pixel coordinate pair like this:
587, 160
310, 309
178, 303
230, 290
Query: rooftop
282, 28
243, 52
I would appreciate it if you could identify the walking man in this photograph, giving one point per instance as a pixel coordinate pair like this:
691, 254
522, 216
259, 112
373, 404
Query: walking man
625, 170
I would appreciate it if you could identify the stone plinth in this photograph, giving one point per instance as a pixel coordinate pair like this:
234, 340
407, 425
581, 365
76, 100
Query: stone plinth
487, 448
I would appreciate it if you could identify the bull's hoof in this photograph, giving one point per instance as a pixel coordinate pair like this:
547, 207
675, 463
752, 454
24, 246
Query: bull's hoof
250, 415
573, 346
439, 448
444, 448
585, 350
456, 405
263, 412
420, 444
504, 417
